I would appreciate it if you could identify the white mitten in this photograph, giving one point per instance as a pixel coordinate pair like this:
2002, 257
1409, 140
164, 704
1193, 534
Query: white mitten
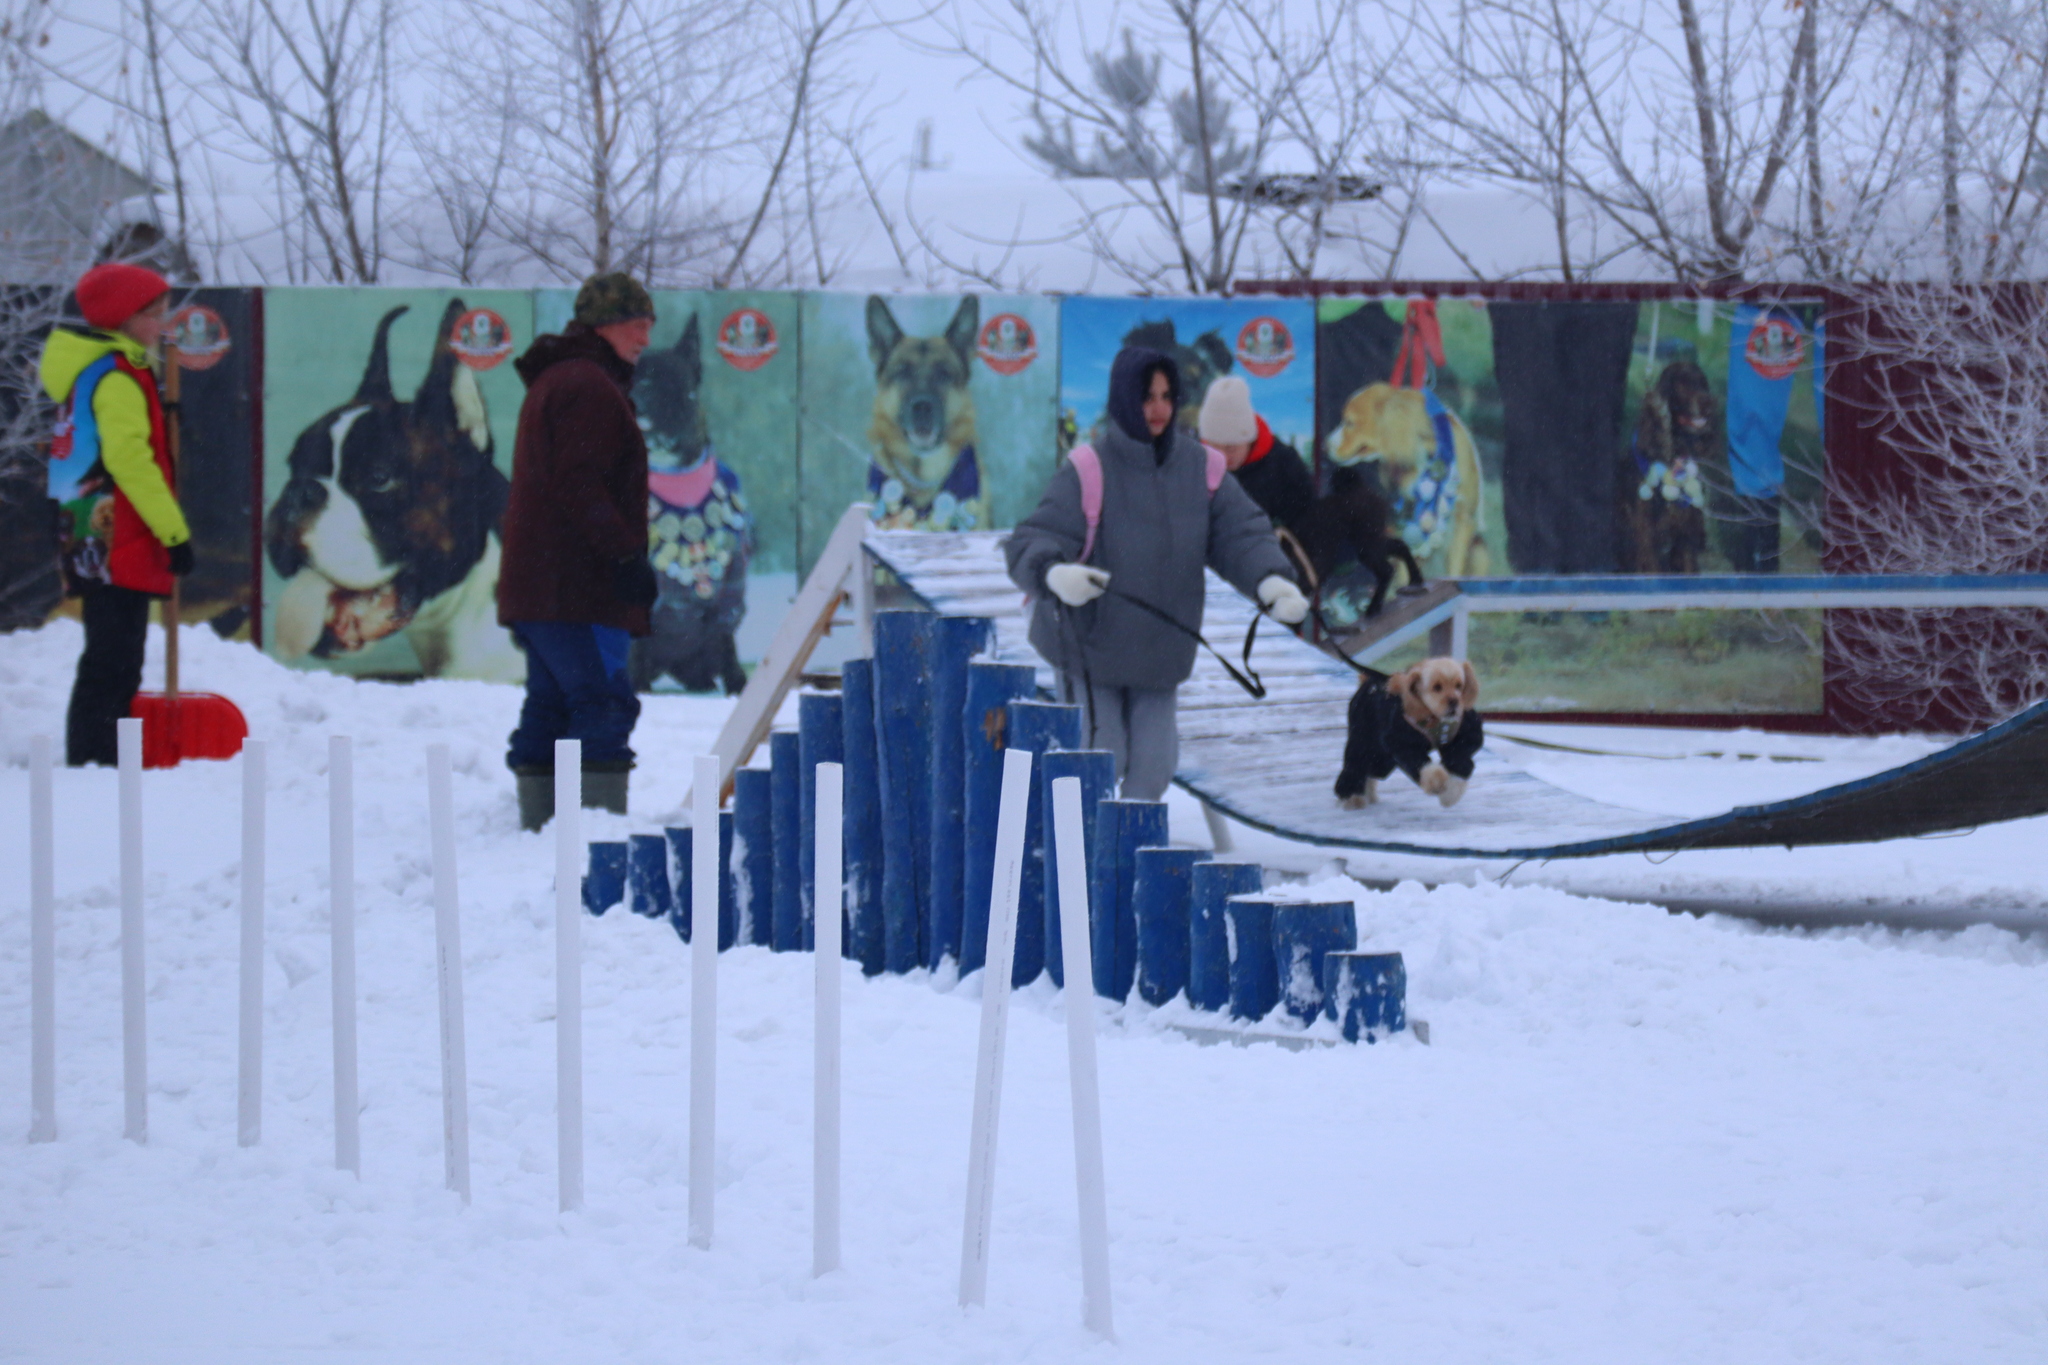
1284, 600
1076, 584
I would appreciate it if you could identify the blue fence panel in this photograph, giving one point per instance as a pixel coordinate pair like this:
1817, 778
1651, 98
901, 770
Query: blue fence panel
604, 885
753, 870
1211, 886
1096, 768
1161, 897
1038, 728
955, 642
821, 738
1254, 982
903, 711
985, 728
863, 815
1303, 934
1366, 993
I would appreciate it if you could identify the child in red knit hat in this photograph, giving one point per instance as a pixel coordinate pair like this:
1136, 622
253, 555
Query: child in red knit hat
110, 468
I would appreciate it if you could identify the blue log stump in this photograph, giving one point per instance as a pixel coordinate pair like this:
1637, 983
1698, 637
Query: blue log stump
955, 642
1366, 993
785, 758
863, 794
1096, 768
1210, 887
684, 907
985, 728
1121, 829
821, 738
647, 886
753, 853
1303, 935
903, 713
1038, 728
1161, 898
1254, 983
604, 885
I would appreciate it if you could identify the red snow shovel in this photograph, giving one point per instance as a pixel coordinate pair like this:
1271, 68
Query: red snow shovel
177, 726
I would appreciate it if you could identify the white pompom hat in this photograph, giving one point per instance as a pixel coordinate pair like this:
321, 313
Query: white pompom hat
1227, 418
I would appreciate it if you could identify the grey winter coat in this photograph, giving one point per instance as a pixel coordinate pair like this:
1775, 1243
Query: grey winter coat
1159, 528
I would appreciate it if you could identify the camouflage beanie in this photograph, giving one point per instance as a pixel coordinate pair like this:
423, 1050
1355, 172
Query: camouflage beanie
616, 297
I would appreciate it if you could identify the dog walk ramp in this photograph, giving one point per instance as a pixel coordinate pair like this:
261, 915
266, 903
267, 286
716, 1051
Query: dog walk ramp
1270, 763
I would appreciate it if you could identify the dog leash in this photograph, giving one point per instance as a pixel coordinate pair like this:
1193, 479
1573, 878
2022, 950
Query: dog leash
1248, 679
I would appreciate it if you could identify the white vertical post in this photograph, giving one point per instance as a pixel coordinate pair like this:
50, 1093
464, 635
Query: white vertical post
249, 1091
995, 1018
448, 968
1077, 956
829, 898
569, 971
42, 943
704, 879
134, 1019
1461, 630
341, 891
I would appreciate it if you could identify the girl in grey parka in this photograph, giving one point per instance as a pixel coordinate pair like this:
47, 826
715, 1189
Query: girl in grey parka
1159, 527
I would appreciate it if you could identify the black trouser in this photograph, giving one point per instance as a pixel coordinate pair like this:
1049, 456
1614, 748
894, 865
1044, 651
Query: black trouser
109, 672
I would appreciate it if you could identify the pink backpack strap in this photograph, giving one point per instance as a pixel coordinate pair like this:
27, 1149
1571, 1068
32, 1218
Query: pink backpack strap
1218, 467
1088, 468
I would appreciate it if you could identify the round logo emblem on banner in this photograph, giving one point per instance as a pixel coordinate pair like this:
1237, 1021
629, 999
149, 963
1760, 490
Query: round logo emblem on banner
1265, 347
1776, 347
197, 337
1007, 343
747, 339
480, 339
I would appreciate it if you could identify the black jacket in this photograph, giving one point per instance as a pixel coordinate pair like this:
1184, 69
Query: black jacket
1280, 484
1382, 740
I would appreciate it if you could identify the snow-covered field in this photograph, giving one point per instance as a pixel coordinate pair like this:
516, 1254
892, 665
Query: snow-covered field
1635, 1136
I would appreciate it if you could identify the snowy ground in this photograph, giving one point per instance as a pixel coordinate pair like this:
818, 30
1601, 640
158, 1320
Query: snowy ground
1636, 1136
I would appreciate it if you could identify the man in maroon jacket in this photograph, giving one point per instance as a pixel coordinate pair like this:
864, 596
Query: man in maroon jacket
576, 582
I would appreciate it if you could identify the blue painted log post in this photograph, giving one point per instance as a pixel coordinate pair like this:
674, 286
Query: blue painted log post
1303, 934
1254, 982
1366, 993
1212, 884
863, 794
728, 898
753, 853
604, 885
1161, 898
1096, 768
1122, 828
903, 698
821, 738
991, 687
647, 875
1038, 728
785, 758
955, 642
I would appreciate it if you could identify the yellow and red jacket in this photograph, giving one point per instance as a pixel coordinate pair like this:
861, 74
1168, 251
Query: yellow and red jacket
129, 415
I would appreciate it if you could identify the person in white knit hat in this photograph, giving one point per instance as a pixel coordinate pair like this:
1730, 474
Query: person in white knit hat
1272, 471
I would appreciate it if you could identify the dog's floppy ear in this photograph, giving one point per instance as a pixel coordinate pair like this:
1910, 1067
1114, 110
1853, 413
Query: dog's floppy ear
1470, 692
1397, 685
376, 385
883, 332
960, 332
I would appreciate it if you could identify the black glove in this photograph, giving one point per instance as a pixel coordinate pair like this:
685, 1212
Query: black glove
633, 582
181, 558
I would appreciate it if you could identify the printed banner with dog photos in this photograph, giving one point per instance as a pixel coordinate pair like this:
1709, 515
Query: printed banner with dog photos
212, 337
936, 408
717, 394
1539, 438
1270, 342
389, 418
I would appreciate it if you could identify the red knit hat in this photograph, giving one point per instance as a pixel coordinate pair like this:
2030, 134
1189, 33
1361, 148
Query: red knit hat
110, 294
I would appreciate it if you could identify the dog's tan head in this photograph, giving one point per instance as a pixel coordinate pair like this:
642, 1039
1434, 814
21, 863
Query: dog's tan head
1386, 424
1435, 695
924, 415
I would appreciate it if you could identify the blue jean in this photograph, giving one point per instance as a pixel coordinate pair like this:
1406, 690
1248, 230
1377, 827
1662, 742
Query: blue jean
577, 687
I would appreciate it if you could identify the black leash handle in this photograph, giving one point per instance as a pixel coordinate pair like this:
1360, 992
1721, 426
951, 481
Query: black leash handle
1249, 679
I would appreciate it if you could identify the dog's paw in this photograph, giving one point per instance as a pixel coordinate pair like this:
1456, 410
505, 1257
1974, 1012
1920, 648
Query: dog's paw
1434, 779
1454, 787
1360, 800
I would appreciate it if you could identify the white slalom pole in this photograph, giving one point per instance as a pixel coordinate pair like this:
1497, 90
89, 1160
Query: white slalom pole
704, 878
1077, 958
341, 891
42, 943
448, 968
249, 1091
829, 897
995, 1020
134, 1018
569, 971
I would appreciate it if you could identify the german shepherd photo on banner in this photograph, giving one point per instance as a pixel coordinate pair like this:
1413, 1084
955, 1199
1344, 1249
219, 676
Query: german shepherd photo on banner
925, 474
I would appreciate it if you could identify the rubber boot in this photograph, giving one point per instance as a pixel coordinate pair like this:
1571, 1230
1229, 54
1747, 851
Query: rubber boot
536, 797
604, 787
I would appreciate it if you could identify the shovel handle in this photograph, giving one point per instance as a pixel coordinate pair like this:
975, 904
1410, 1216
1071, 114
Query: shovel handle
172, 372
